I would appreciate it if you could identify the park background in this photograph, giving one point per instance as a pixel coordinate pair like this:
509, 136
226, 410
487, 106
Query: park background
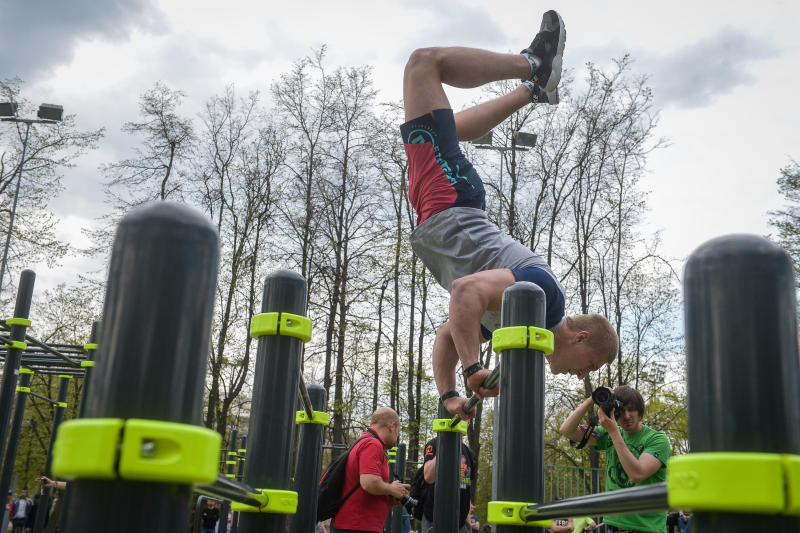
280, 122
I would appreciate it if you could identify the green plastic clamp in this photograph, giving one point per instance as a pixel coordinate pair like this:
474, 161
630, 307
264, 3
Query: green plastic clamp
274, 501
230, 475
19, 345
287, 324
231, 452
230, 462
507, 514
321, 418
529, 337
758, 483
443, 424
26, 371
23, 389
18, 322
61, 404
147, 450
65, 376
87, 364
242, 450
90, 346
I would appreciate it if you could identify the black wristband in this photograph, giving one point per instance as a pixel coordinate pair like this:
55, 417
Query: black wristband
447, 395
472, 369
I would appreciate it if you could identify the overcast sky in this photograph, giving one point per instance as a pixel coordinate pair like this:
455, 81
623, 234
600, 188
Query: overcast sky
725, 76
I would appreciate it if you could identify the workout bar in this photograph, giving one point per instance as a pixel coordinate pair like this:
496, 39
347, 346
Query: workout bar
649, 498
46, 348
225, 488
303, 393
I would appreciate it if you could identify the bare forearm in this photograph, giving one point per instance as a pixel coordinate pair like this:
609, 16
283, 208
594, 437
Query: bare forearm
570, 426
429, 471
629, 463
375, 485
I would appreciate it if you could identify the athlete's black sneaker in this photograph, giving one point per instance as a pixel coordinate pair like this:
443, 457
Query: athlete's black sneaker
548, 47
539, 95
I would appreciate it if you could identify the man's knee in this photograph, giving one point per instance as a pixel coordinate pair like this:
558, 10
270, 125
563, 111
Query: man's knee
423, 59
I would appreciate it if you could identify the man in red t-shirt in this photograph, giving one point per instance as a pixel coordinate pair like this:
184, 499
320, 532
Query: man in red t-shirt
366, 509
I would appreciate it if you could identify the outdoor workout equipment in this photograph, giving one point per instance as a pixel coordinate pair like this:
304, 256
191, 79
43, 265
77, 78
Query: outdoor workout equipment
743, 472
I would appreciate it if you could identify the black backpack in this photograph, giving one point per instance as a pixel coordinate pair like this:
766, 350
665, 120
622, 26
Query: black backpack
419, 491
331, 484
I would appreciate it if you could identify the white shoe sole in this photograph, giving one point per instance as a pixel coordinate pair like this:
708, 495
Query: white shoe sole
555, 71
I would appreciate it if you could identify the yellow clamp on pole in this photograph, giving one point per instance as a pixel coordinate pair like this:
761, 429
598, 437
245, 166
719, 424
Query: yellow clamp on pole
23, 389
287, 324
242, 450
65, 376
230, 462
231, 452
275, 501
508, 514
18, 322
147, 450
87, 364
61, 404
26, 371
90, 346
758, 483
321, 418
19, 345
230, 475
529, 337
443, 424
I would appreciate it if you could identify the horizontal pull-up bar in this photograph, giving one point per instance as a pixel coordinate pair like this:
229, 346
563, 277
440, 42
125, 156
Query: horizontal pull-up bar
225, 488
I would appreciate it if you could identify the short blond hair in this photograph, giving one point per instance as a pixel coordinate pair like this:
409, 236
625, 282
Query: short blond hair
384, 417
602, 335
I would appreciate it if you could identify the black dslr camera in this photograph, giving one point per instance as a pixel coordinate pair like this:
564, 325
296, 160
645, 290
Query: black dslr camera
606, 401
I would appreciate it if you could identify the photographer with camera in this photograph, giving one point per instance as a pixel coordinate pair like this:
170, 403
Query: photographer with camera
635, 456
467, 478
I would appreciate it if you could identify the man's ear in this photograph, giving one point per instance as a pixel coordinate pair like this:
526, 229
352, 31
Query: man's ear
582, 336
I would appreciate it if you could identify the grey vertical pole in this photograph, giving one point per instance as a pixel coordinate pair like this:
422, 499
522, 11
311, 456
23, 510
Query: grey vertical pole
58, 416
88, 371
308, 465
445, 489
88, 368
741, 349
153, 347
272, 415
520, 421
16, 425
198, 511
239, 476
8, 386
230, 463
400, 468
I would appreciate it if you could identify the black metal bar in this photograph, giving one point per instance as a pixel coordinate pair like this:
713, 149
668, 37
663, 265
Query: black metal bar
520, 412
229, 489
45, 398
307, 467
13, 437
58, 416
226, 506
400, 470
8, 386
743, 371
648, 498
446, 487
304, 398
271, 426
198, 513
50, 350
241, 455
153, 345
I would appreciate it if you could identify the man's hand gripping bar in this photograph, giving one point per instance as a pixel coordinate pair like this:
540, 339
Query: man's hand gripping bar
488, 383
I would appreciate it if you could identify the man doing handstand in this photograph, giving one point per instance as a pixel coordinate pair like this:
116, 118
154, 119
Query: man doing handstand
468, 255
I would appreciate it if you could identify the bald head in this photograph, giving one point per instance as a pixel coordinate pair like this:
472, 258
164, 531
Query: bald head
384, 417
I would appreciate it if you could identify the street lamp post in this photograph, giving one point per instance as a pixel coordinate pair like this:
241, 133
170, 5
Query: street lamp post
48, 114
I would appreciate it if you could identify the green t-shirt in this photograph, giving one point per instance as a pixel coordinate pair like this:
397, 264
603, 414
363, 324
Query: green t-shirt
580, 524
646, 440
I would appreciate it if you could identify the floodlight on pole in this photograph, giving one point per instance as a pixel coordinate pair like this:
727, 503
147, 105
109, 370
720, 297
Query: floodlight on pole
47, 114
